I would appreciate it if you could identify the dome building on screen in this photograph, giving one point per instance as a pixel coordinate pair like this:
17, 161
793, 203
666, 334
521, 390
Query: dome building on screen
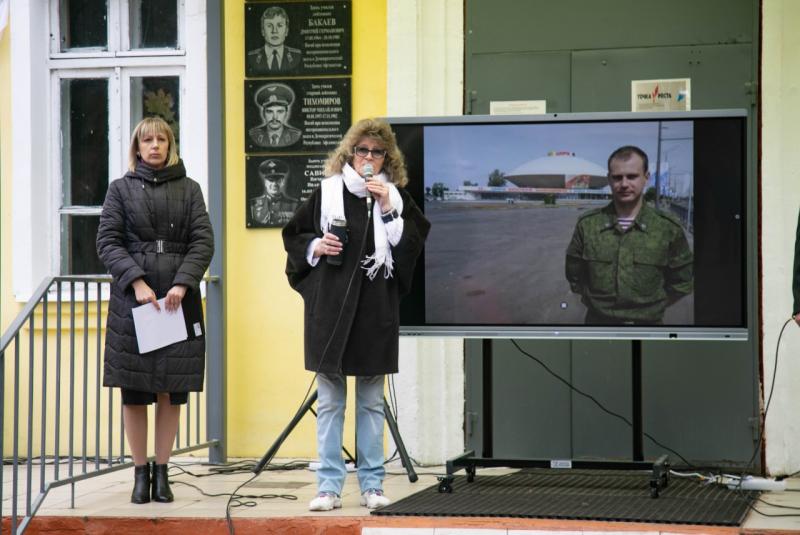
560, 170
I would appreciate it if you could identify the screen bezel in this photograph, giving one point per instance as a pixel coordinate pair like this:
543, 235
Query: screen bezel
740, 332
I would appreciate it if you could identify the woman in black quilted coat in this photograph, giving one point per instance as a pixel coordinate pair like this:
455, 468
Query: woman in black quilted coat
156, 240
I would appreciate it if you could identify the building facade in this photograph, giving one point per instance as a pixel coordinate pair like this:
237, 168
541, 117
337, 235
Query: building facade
69, 97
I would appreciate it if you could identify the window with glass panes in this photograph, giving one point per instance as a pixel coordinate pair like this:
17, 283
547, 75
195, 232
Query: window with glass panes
113, 62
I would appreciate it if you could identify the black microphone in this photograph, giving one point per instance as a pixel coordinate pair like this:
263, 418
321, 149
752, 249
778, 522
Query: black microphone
368, 173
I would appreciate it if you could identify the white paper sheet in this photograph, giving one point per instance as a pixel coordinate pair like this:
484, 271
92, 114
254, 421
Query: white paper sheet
158, 328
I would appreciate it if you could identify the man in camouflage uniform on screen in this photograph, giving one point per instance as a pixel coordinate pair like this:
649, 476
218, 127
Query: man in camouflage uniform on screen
627, 260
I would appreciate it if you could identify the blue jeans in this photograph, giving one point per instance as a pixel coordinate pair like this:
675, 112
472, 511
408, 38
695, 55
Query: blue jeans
332, 397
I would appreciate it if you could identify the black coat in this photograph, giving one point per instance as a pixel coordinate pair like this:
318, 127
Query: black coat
796, 272
366, 338
140, 208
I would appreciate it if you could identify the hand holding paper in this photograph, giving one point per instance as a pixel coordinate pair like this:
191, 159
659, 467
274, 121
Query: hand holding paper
144, 294
156, 328
174, 297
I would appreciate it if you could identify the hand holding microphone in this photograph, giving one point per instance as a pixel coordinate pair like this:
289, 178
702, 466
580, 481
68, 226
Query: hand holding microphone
376, 190
368, 173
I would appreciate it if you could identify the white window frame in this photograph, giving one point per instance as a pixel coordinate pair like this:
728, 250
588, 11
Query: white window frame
126, 36
125, 92
119, 41
38, 67
57, 141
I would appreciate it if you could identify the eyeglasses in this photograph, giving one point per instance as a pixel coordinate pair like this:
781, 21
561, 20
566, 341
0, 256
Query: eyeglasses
378, 154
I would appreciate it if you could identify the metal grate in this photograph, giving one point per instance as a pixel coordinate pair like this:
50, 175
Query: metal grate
580, 495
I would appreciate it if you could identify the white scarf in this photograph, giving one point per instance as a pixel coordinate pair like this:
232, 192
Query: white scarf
333, 207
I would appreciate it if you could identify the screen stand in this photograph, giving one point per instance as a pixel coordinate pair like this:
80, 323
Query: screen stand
390, 421
636, 400
659, 475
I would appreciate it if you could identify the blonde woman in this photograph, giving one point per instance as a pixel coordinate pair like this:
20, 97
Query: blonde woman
352, 304
155, 239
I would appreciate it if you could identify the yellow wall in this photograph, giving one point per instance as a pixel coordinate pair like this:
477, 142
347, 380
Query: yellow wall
266, 377
8, 308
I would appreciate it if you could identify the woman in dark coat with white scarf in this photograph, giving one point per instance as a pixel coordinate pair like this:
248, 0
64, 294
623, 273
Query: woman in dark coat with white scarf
155, 239
352, 309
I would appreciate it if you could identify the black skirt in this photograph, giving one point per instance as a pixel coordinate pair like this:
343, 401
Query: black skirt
137, 397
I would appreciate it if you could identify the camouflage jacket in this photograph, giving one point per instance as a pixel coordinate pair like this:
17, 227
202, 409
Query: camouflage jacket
629, 276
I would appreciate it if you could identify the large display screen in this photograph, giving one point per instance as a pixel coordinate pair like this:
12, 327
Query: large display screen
539, 228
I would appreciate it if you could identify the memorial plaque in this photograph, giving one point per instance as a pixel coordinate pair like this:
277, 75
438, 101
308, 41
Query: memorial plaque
298, 38
275, 187
309, 115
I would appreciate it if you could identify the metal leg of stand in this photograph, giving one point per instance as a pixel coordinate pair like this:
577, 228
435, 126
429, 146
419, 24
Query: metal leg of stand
660, 476
660, 469
398, 441
637, 428
282, 437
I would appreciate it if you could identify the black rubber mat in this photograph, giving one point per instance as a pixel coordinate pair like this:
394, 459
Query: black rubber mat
580, 495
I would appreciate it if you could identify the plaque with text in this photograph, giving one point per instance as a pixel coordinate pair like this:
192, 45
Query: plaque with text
298, 38
276, 185
309, 115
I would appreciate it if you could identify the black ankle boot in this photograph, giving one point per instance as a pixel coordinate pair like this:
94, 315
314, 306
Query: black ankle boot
161, 491
141, 484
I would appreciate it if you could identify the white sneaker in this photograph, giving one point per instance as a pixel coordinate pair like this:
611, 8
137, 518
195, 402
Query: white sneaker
325, 501
374, 498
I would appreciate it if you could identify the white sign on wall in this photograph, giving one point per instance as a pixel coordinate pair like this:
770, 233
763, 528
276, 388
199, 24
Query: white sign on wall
517, 107
661, 95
